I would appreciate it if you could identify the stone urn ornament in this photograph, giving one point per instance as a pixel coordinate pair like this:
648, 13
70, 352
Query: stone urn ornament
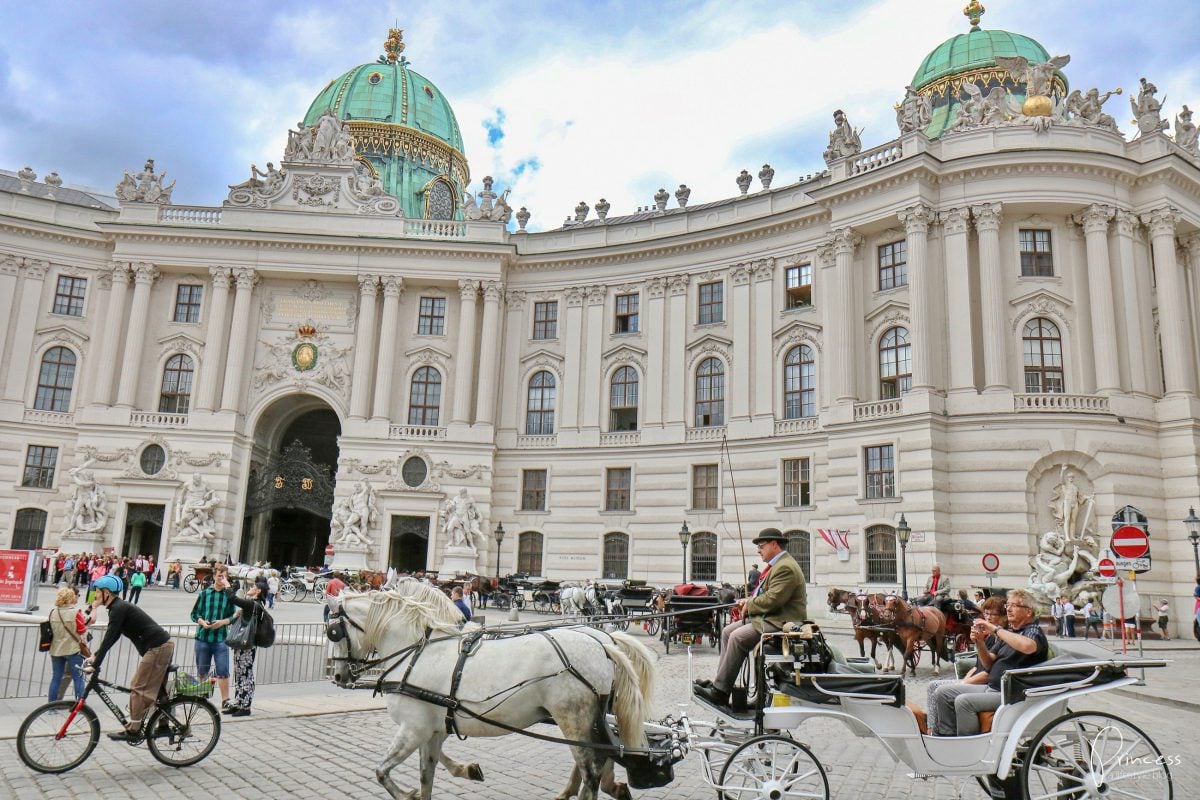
766, 174
602, 207
581, 211
682, 194
743, 181
660, 199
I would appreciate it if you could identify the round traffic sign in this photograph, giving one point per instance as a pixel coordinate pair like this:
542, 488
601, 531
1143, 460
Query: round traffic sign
1112, 598
1106, 568
1130, 542
991, 562
328, 549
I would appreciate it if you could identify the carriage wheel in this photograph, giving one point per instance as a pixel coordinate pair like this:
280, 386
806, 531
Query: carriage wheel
772, 767
518, 600
653, 627
500, 602
287, 592
915, 661
1092, 754
190, 584
668, 631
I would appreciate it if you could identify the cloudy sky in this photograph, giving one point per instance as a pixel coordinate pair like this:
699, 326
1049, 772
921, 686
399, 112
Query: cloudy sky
562, 100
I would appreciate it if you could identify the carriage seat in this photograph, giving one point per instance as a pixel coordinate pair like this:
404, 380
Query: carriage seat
830, 689
1064, 671
986, 718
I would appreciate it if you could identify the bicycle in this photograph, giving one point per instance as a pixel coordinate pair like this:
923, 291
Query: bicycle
60, 736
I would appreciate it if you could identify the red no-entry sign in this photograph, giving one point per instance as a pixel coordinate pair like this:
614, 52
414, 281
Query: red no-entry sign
1106, 568
991, 562
1130, 542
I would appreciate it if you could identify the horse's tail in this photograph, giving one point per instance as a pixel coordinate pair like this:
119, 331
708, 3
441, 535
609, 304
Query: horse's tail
642, 661
628, 703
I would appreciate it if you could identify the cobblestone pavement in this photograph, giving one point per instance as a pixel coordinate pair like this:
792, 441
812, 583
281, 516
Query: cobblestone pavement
314, 741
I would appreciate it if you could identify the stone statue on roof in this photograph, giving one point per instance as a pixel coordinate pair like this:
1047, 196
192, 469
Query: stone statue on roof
1147, 110
145, 187
1037, 77
915, 111
844, 139
1186, 134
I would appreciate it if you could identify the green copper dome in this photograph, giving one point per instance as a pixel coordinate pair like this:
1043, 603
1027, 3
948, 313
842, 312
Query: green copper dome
970, 58
404, 128
975, 50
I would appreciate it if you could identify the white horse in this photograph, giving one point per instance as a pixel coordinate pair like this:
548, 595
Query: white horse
577, 601
567, 673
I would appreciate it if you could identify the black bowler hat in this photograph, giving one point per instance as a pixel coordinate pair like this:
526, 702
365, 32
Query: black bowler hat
770, 535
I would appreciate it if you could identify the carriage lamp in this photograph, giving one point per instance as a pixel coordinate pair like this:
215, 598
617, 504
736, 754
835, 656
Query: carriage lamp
685, 536
499, 534
903, 532
1192, 523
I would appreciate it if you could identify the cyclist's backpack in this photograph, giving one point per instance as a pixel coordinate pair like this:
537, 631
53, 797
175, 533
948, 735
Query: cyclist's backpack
45, 636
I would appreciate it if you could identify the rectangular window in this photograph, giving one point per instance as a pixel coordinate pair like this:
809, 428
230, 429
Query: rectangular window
798, 286
893, 265
431, 320
617, 482
1037, 256
796, 483
187, 303
545, 319
533, 490
704, 486
627, 314
881, 472
69, 294
712, 302
40, 462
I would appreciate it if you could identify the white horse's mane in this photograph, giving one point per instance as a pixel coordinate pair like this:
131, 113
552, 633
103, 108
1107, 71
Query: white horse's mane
410, 603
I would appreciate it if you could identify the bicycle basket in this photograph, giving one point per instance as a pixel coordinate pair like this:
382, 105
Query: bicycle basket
192, 686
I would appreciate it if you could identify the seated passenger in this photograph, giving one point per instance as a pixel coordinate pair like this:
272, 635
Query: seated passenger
779, 598
1021, 644
937, 588
993, 611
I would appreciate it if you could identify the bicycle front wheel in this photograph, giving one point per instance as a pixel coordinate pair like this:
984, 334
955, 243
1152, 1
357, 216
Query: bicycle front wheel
54, 740
183, 731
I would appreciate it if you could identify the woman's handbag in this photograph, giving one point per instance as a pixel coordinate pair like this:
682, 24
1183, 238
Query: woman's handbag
45, 636
265, 635
241, 633
84, 650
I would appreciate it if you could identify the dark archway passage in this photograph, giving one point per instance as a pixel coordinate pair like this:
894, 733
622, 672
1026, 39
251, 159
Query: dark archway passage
289, 494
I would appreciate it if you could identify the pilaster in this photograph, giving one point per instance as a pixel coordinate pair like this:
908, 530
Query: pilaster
464, 360
844, 243
764, 382
651, 398
235, 367
489, 353
1100, 295
1135, 304
364, 346
385, 371
144, 276
916, 221
214, 340
959, 339
111, 335
738, 380
1172, 311
991, 290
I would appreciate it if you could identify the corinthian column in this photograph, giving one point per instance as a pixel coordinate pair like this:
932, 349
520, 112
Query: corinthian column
28, 306
651, 398
364, 346
991, 286
214, 340
846, 319
112, 334
764, 355
392, 289
1135, 306
955, 222
738, 380
235, 362
144, 276
916, 225
464, 360
489, 366
1100, 294
1174, 330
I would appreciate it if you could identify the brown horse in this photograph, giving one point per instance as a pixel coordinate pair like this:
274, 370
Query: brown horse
866, 615
916, 625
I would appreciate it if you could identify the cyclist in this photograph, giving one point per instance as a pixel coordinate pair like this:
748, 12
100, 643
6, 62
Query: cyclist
153, 644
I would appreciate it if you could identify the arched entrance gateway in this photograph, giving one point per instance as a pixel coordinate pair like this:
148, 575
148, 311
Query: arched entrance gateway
289, 492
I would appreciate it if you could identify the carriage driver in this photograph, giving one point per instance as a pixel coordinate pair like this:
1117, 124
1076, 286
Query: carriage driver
937, 588
781, 597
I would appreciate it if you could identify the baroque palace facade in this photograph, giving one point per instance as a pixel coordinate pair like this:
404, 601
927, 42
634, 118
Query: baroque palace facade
948, 326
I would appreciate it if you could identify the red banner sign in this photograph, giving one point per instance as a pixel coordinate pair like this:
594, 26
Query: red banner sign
14, 568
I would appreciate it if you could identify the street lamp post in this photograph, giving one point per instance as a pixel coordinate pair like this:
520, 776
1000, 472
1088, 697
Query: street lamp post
685, 536
499, 534
1192, 523
902, 534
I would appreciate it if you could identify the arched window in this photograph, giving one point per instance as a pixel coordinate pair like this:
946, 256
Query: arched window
881, 554
710, 393
1043, 356
55, 380
704, 557
425, 397
29, 530
799, 383
529, 553
539, 410
623, 400
799, 544
176, 395
895, 364
616, 556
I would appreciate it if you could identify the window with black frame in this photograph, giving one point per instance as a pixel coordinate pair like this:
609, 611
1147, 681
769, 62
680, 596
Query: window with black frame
175, 396
69, 295
799, 546
616, 556
529, 553
881, 554
623, 400
40, 463
539, 408
1037, 253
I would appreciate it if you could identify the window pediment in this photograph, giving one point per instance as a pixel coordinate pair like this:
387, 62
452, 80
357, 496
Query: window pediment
542, 354
63, 334
181, 342
710, 345
1041, 302
428, 355
797, 333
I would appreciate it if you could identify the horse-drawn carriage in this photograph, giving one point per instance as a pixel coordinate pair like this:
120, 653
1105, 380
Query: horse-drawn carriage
1033, 747
694, 614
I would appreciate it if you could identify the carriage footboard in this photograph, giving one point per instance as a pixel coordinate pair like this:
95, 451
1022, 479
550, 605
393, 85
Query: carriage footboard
829, 689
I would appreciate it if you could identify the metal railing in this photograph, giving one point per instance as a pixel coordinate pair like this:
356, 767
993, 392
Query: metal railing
300, 654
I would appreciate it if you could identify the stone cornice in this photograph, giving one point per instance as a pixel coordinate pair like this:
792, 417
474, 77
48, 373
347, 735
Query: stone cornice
34, 230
